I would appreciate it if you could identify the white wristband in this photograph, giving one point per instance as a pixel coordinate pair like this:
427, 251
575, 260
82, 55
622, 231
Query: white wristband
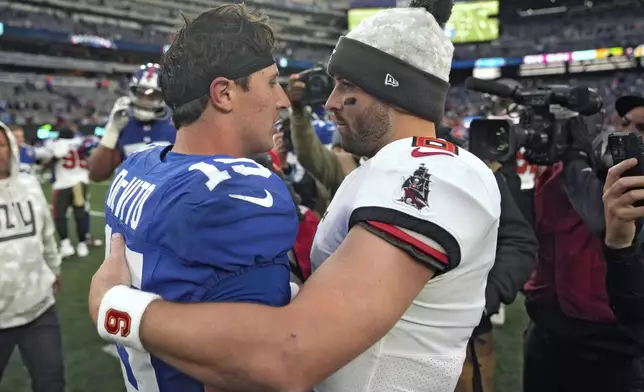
110, 138
120, 315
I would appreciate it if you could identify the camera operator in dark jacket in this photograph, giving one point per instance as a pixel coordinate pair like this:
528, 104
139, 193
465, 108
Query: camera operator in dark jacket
516, 251
516, 254
574, 341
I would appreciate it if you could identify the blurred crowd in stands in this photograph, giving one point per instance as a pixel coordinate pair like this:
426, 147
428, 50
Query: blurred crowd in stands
37, 100
597, 26
590, 27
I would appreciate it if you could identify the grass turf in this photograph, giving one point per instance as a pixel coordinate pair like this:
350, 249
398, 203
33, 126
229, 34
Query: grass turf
88, 368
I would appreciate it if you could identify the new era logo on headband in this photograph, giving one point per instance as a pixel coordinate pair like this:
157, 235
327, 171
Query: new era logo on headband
391, 81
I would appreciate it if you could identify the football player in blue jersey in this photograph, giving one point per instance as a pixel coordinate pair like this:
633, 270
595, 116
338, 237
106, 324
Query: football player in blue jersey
134, 122
202, 221
90, 143
27, 157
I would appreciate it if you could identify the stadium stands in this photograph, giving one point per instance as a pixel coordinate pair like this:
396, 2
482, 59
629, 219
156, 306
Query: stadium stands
308, 31
570, 28
524, 32
82, 99
37, 99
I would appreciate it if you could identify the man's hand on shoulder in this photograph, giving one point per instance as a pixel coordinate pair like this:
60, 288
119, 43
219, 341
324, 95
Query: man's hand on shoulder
113, 272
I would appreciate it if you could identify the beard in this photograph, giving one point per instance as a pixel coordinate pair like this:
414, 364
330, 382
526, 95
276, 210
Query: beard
369, 131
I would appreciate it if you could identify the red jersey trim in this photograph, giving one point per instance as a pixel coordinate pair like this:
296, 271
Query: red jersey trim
402, 236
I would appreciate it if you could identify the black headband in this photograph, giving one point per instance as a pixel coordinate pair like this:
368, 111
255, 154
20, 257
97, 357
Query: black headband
235, 69
390, 79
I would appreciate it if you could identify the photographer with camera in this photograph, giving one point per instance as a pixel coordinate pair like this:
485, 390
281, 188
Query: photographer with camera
624, 256
574, 341
314, 194
624, 210
516, 253
304, 90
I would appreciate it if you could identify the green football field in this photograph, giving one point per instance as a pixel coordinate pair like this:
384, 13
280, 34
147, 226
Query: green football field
90, 368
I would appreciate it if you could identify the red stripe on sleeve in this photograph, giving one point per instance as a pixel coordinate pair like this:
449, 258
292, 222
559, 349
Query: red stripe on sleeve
402, 236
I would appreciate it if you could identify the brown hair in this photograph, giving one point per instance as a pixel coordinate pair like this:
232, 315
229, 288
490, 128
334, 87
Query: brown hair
213, 38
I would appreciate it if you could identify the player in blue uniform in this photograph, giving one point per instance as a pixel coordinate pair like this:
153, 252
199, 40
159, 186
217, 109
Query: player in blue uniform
27, 158
199, 228
135, 121
27, 152
203, 223
90, 143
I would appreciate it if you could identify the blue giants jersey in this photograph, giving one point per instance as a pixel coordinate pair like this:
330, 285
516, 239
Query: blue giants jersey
136, 135
199, 229
27, 158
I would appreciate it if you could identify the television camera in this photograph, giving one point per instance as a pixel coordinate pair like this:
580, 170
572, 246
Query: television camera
544, 117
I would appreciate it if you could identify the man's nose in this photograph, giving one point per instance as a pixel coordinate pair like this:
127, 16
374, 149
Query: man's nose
282, 101
333, 103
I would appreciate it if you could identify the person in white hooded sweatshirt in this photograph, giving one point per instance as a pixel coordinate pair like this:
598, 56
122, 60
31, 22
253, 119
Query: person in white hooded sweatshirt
29, 274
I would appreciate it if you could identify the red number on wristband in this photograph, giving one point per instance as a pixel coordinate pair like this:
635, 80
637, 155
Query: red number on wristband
117, 322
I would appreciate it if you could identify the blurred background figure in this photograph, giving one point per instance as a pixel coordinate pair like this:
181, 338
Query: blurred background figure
137, 119
69, 183
29, 274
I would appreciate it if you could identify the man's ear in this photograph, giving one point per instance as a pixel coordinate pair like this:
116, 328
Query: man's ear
221, 94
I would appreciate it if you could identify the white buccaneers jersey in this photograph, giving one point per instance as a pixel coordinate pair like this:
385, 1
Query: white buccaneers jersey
70, 167
441, 205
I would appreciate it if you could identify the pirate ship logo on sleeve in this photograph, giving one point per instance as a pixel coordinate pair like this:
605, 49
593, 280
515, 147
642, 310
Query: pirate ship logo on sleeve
415, 189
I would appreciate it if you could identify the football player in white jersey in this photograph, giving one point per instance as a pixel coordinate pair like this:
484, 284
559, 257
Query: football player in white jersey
402, 255
70, 177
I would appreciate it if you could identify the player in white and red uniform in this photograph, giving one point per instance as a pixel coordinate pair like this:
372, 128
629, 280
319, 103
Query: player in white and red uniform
402, 255
70, 177
438, 202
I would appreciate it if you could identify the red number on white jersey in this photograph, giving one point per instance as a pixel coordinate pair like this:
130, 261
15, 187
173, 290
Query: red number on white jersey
73, 160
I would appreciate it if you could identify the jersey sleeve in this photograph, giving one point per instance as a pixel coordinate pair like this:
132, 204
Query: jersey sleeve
435, 206
59, 148
228, 221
